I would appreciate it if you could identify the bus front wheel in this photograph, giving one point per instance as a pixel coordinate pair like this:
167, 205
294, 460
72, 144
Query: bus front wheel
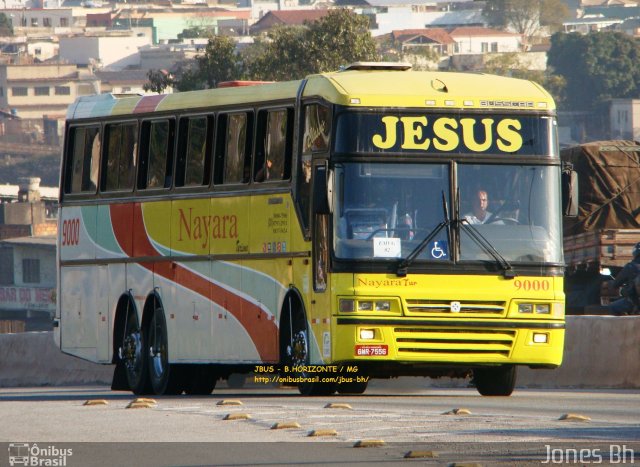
495, 381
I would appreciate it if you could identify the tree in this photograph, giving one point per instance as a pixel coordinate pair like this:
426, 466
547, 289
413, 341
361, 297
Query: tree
286, 53
597, 67
339, 38
280, 56
159, 81
508, 64
219, 61
526, 17
6, 27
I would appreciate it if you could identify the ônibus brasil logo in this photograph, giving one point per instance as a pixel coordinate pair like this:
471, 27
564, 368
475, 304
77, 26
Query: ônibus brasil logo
34, 455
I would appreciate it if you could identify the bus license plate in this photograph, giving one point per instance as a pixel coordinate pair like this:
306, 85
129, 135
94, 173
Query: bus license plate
372, 350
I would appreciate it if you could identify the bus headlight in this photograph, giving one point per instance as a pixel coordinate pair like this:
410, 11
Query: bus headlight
525, 308
350, 305
543, 308
347, 305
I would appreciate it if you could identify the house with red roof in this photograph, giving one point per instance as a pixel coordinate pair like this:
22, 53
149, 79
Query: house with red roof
286, 18
438, 40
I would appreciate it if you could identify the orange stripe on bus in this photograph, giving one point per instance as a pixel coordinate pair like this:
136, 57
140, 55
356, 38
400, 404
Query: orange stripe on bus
256, 321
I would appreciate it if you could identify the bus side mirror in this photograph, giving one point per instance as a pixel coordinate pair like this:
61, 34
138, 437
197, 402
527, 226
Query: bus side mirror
569, 192
322, 190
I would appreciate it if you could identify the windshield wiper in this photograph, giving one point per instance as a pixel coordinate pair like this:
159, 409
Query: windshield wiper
486, 245
461, 224
403, 267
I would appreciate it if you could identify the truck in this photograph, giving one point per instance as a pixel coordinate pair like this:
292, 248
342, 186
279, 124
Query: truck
602, 188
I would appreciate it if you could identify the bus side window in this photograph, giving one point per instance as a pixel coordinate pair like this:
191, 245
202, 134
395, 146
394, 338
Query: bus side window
194, 164
317, 128
82, 170
119, 166
274, 141
156, 154
237, 155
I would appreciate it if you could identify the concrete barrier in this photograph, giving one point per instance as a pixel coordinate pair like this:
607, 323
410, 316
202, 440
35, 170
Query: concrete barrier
32, 359
600, 352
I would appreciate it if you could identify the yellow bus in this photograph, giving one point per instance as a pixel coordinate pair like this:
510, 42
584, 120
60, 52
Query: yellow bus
372, 222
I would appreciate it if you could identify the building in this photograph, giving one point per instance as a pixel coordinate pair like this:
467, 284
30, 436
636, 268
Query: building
286, 18
436, 40
113, 51
33, 91
122, 82
624, 119
28, 231
32, 212
480, 40
28, 281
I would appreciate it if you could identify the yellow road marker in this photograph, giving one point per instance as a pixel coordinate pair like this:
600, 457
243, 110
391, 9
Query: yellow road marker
145, 400
459, 411
140, 405
368, 443
574, 417
284, 425
237, 416
96, 402
230, 402
336, 405
420, 454
323, 433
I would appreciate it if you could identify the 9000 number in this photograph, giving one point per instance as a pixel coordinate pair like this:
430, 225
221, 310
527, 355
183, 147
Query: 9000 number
70, 232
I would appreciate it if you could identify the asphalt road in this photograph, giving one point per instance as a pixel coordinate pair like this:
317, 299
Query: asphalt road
391, 420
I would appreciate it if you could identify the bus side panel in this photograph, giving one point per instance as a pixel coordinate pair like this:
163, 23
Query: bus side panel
235, 342
78, 233
79, 312
192, 308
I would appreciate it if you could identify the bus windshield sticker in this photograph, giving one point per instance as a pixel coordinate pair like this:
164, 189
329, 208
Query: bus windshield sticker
387, 247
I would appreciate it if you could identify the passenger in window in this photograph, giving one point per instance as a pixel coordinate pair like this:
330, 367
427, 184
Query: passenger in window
264, 174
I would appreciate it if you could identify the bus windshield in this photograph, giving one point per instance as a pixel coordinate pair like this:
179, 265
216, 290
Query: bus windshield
384, 210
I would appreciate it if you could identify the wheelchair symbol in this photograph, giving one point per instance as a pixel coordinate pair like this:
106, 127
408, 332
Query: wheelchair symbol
437, 252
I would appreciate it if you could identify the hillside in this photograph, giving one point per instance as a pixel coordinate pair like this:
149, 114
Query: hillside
29, 160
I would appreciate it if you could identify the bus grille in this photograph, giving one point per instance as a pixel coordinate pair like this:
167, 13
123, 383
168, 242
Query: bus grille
475, 307
440, 342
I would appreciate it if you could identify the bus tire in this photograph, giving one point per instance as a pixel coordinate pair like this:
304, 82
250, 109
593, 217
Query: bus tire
294, 348
164, 378
133, 356
200, 380
495, 381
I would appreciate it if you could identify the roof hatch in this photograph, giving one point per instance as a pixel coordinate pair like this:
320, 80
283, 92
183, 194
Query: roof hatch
364, 66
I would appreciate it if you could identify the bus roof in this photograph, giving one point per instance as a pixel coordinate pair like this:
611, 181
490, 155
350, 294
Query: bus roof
360, 87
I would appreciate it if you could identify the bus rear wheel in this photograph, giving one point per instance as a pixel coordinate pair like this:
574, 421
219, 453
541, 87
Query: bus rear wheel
163, 379
495, 381
134, 357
